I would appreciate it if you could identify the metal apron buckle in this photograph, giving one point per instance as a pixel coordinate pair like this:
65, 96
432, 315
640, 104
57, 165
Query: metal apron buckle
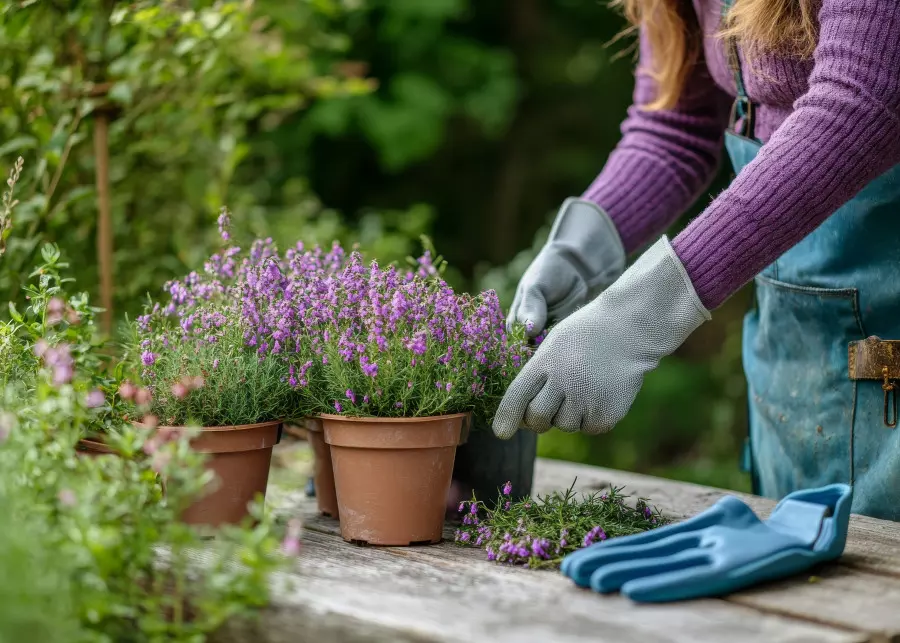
874, 358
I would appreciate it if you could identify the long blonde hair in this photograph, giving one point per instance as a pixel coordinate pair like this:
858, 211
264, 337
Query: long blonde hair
671, 27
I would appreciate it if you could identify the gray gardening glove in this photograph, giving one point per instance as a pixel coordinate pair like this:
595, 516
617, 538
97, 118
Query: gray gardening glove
586, 373
582, 256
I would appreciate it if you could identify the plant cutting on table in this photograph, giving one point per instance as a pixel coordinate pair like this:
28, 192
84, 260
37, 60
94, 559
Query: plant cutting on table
539, 532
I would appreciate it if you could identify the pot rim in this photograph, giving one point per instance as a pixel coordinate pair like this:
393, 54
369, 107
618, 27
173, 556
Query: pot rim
208, 429
402, 420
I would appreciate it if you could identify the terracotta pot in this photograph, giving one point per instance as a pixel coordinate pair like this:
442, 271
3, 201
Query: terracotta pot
240, 456
323, 473
392, 475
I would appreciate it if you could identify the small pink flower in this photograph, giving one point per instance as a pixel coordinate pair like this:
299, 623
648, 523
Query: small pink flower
290, 546
40, 348
94, 399
142, 397
67, 498
127, 390
56, 308
150, 421
179, 390
160, 461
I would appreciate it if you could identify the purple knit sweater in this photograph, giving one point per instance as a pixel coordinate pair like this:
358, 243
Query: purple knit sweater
831, 125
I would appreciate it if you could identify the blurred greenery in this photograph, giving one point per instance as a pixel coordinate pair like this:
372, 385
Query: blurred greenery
360, 120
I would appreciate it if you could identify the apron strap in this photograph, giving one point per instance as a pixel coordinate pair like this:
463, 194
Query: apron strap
742, 109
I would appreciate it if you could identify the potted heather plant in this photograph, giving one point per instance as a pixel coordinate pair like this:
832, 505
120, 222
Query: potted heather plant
395, 365
214, 355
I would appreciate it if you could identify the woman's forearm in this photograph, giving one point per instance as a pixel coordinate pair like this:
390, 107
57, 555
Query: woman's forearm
843, 133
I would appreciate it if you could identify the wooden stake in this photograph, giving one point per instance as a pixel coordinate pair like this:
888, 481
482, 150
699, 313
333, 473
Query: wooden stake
104, 222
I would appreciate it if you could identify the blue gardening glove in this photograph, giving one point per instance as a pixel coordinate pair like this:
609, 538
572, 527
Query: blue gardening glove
722, 550
586, 373
582, 256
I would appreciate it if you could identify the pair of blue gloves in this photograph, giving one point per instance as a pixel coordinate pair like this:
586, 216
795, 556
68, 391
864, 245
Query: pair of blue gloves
724, 549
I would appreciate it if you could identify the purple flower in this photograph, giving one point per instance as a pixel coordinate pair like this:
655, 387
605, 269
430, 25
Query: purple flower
507, 488
594, 535
148, 358
350, 395
224, 222
338, 407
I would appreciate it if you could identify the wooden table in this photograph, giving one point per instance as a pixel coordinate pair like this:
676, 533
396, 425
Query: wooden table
343, 592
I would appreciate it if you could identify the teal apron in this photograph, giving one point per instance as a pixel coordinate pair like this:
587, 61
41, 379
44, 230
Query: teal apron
809, 423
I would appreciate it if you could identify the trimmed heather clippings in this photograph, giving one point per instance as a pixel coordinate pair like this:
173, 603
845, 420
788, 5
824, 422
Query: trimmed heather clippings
219, 351
540, 532
384, 344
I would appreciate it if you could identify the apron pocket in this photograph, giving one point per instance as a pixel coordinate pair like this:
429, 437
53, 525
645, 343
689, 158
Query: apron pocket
801, 401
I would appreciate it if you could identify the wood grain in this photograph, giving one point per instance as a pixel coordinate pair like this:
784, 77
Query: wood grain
444, 593
376, 594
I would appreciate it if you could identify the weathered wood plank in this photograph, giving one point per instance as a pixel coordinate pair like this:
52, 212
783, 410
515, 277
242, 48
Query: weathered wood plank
838, 596
449, 593
343, 592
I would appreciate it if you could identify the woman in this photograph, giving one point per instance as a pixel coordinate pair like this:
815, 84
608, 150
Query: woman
810, 110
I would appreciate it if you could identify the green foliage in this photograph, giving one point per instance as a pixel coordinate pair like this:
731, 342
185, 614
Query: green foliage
440, 76
186, 88
126, 567
540, 532
92, 548
238, 387
36, 597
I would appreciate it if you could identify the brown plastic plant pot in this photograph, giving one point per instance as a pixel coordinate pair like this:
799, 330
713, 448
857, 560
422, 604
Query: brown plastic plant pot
392, 475
323, 472
240, 457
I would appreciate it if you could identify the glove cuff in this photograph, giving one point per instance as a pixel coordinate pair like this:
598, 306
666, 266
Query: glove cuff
587, 236
656, 298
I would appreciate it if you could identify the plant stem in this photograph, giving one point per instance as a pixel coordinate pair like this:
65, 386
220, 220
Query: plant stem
104, 222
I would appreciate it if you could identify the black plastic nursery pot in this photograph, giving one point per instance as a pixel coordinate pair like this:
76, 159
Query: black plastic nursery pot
485, 463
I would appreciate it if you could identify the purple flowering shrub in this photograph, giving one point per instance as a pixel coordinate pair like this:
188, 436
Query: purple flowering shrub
220, 350
385, 344
259, 336
540, 532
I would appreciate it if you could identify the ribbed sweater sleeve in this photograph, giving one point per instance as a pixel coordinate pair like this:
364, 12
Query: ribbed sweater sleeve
843, 133
665, 158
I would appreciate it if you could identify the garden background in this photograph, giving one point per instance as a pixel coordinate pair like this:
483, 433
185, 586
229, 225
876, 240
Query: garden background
374, 121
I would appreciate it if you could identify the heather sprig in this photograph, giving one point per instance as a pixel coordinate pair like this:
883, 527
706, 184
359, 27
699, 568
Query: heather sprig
539, 532
234, 327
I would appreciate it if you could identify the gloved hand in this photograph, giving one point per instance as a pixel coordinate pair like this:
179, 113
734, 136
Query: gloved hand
586, 373
722, 550
582, 256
